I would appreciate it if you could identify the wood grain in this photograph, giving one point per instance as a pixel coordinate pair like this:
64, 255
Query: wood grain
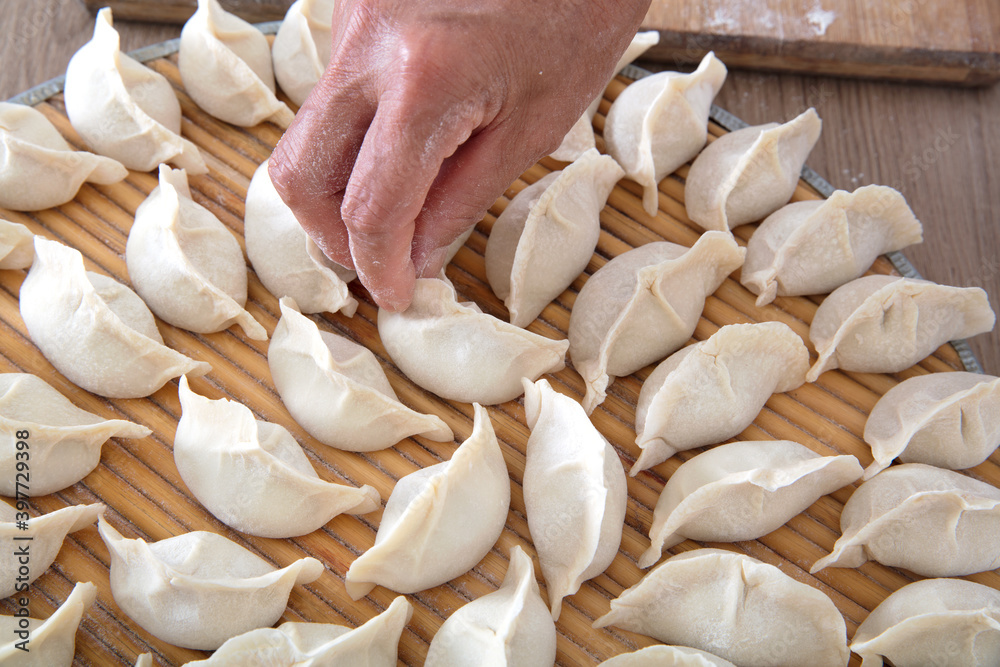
146, 497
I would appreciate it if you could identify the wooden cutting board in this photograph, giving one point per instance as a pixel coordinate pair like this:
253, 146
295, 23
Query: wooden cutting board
924, 40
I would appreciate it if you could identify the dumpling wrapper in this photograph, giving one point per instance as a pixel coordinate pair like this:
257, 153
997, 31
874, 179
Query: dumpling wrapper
45, 535
546, 236
511, 626
252, 475
199, 589
373, 644
885, 324
643, 305
710, 391
38, 169
456, 351
439, 521
933, 522
52, 642
301, 49
94, 330
286, 260
123, 109
580, 137
667, 656
940, 622
225, 64
742, 491
748, 174
17, 245
814, 247
948, 420
660, 122
735, 607
185, 264
65, 442
337, 391
574, 492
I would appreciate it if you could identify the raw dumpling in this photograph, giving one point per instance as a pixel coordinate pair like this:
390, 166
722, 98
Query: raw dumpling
658, 287
123, 109
948, 420
735, 607
302, 47
547, 234
199, 589
337, 391
814, 247
48, 643
373, 644
580, 137
574, 492
225, 64
456, 351
28, 552
933, 522
511, 626
885, 324
940, 622
94, 330
748, 174
667, 656
252, 475
660, 122
712, 390
38, 169
64, 441
439, 521
286, 260
17, 245
185, 264
741, 491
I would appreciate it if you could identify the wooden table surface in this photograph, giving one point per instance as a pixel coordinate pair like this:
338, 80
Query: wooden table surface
939, 146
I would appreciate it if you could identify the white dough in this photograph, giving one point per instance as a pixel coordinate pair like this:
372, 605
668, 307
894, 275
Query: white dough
199, 589
511, 626
440, 521
742, 491
660, 122
94, 330
286, 260
17, 245
748, 174
456, 351
547, 234
337, 391
712, 390
52, 642
949, 420
185, 264
252, 475
885, 324
940, 622
815, 246
643, 305
667, 656
735, 607
933, 522
39, 542
225, 64
64, 442
373, 644
574, 492
38, 169
302, 47
123, 109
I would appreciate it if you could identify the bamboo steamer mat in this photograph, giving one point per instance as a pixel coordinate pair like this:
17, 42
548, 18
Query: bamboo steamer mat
145, 496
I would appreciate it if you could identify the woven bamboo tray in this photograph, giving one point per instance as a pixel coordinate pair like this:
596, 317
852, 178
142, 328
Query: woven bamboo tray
140, 485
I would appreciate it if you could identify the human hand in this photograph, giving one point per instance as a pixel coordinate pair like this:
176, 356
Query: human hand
427, 112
